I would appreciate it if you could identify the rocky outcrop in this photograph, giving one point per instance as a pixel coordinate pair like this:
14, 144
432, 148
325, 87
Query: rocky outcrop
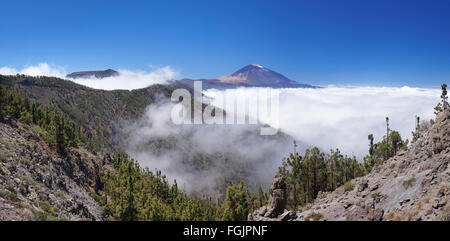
413, 185
35, 184
276, 208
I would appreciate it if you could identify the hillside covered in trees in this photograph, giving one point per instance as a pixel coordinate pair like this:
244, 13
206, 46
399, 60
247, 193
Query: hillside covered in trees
104, 118
107, 181
124, 190
73, 126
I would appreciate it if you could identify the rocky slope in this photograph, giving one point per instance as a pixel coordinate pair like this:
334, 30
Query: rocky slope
37, 185
98, 112
107, 118
413, 185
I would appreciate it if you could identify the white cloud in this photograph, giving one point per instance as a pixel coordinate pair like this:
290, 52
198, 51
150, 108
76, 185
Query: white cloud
339, 117
42, 69
333, 117
216, 151
7, 71
127, 79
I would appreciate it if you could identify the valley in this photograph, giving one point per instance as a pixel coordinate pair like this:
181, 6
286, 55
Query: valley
115, 155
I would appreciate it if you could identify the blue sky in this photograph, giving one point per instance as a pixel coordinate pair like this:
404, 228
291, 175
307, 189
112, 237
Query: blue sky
321, 42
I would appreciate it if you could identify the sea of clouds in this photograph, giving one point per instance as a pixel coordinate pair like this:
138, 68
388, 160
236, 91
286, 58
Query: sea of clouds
329, 118
342, 117
235, 150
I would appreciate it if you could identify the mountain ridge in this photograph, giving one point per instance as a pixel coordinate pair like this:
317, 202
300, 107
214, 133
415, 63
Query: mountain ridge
102, 116
252, 75
99, 74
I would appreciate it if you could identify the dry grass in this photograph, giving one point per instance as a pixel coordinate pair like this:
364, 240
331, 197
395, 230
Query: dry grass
349, 186
314, 217
446, 213
426, 199
443, 187
393, 216
409, 183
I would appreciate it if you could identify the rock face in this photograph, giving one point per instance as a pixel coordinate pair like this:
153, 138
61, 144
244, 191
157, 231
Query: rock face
413, 185
37, 185
277, 198
276, 208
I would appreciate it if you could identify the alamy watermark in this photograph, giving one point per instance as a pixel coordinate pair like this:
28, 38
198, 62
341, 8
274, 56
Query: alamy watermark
240, 108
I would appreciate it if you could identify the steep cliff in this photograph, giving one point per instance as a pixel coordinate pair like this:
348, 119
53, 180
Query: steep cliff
36, 184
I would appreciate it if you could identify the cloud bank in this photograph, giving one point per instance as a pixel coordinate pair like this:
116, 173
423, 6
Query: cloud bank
340, 117
204, 158
332, 117
42, 69
127, 79
329, 118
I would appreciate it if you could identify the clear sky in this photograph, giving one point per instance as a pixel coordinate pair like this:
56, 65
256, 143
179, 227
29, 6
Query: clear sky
321, 42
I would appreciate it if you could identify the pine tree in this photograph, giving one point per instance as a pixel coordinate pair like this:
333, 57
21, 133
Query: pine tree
443, 105
313, 172
1, 102
291, 169
59, 135
370, 138
237, 203
444, 97
262, 196
387, 127
416, 133
129, 213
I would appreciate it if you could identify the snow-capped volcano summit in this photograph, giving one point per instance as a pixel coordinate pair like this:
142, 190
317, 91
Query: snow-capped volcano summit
255, 74
257, 65
252, 75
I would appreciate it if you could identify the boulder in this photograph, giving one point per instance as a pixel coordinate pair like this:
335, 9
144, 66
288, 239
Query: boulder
276, 207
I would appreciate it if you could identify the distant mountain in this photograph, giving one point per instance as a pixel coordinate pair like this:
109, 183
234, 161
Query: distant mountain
98, 112
257, 75
99, 74
104, 115
252, 75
